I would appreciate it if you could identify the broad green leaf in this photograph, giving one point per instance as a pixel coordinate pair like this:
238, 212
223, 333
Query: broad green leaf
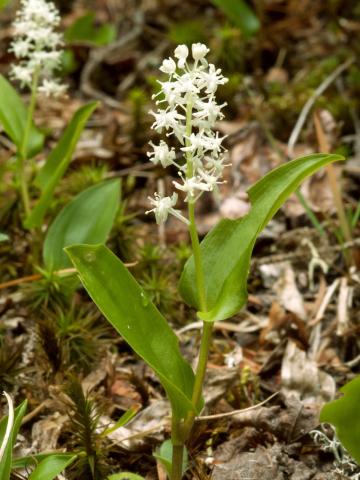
85, 30
226, 250
125, 476
51, 466
6, 461
13, 118
88, 218
344, 415
135, 317
240, 14
164, 455
57, 163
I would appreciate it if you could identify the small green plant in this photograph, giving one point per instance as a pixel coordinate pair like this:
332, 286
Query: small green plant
214, 278
44, 466
48, 465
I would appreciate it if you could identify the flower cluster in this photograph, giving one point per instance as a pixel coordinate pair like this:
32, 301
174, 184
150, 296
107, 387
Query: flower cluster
188, 110
37, 46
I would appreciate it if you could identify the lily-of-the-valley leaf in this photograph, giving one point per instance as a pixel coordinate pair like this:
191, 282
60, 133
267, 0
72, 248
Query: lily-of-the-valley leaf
343, 414
13, 118
88, 218
226, 250
57, 163
127, 307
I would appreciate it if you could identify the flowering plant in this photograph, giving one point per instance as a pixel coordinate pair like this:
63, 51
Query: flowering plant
37, 48
214, 278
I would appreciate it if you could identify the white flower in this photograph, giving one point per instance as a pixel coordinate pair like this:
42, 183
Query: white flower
181, 53
51, 88
163, 206
162, 154
189, 111
37, 45
21, 73
190, 185
199, 51
168, 66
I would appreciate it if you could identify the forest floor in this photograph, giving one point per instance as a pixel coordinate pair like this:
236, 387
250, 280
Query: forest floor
297, 340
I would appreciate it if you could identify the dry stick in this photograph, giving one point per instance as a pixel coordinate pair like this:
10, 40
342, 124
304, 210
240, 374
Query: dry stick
334, 184
311, 101
235, 412
39, 276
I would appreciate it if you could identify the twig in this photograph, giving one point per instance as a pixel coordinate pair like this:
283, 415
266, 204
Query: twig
39, 276
235, 412
311, 101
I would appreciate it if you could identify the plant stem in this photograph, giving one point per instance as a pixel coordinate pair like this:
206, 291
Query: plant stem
22, 154
177, 461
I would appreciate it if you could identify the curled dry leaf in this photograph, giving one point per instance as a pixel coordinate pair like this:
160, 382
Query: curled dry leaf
302, 379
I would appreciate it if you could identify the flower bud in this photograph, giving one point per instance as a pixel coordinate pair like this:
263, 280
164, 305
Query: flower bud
199, 51
181, 53
168, 66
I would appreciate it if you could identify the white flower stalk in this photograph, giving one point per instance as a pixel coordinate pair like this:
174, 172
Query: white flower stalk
37, 46
189, 112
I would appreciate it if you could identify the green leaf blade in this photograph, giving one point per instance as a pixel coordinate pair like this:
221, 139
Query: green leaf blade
57, 163
13, 117
343, 414
133, 315
6, 461
88, 218
51, 466
226, 250
240, 14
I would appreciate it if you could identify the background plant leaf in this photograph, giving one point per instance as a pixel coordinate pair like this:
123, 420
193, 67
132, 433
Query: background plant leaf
6, 461
51, 466
57, 163
85, 30
135, 317
88, 218
226, 250
343, 414
164, 455
13, 117
240, 14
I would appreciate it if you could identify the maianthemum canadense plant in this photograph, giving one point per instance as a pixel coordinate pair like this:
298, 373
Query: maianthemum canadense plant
37, 48
214, 278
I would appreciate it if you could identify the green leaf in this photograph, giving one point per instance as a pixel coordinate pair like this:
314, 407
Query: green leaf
125, 476
13, 118
84, 30
164, 455
135, 317
57, 163
240, 14
123, 420
6, 461
51, 466
226, 250
343, 414
88, 218
3, 3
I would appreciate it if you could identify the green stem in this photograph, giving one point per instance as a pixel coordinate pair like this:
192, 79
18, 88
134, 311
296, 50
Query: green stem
22, 156
177, 461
